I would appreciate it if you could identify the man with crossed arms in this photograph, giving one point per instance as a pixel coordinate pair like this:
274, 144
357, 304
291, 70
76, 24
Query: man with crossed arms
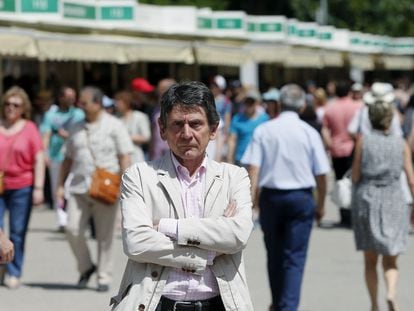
186, 218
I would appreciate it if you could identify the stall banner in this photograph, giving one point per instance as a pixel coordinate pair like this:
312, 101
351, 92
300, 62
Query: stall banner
117, 10
7, 5
266, 27
222, 23
79, 10
39, 6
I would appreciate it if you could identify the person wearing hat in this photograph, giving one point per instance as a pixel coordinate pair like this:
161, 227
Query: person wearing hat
360, 123
243, 125
380, 213
271, 102
287, 159
357, 91
141, 88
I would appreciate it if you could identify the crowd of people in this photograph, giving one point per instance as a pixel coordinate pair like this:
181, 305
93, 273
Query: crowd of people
183, 206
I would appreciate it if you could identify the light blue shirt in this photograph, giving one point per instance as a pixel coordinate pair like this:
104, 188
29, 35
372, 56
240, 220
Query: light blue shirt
243, 127
289, 153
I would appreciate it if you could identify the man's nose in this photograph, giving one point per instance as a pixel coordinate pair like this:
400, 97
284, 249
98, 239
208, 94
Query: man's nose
186, 132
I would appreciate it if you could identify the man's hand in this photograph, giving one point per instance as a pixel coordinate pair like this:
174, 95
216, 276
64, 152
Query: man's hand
6, 249
63, 133
231, 209
319, 213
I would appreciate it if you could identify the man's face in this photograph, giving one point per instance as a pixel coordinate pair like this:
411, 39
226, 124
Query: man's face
87, 104
187, 132
69, 98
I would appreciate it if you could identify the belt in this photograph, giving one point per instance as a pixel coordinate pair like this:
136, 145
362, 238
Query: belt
285, 191
212, 304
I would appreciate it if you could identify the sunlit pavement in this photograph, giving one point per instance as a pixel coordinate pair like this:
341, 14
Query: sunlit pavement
333, 278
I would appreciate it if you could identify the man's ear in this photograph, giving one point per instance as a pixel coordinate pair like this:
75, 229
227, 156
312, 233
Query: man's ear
213, 131
162, 129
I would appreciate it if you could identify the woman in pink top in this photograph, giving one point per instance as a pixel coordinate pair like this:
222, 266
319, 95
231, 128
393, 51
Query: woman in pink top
22, 163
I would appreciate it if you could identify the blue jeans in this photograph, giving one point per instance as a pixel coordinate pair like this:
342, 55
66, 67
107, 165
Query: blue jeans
19, 204
286, 218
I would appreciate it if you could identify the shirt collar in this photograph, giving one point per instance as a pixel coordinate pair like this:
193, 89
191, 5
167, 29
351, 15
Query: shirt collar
289, 114
183, 173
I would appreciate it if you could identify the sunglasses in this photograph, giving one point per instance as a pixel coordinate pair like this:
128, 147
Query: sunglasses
15, 105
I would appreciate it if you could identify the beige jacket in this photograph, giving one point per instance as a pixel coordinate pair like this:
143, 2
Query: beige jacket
151, 191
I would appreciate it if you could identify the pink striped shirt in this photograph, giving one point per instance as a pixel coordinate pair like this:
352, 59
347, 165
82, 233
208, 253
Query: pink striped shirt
184, 285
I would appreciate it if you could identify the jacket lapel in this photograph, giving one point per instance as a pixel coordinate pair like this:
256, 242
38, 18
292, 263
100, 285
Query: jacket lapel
214, 181
168, 178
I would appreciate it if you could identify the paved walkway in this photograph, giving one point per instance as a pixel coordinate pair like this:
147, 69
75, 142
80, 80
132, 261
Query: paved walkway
333, 279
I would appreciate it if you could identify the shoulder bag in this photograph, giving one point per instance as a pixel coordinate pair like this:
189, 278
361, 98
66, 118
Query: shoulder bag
104, 185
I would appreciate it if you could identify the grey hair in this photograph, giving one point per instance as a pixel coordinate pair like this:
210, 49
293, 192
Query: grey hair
96, 93
292, 97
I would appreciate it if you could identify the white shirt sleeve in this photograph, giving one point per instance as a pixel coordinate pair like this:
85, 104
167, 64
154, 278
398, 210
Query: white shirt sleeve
253, 153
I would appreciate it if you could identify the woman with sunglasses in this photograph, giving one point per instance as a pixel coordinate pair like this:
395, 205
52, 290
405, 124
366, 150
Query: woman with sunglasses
22, 168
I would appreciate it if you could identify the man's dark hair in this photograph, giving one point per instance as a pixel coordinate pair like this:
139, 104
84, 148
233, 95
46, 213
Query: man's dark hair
62, 90
343, 88
190, 95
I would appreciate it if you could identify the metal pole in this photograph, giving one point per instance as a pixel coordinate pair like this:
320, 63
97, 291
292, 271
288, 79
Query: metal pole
79, 75
323, 12
114, 77
42, 74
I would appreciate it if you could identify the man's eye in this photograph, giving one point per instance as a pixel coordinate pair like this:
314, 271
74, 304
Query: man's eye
195, 124
177, 124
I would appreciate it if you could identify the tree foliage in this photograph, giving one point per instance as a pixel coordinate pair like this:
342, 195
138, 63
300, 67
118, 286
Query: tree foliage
213, 4
384, 17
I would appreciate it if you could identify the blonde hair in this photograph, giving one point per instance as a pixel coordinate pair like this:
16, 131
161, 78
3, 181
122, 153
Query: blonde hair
380, 114
19, 92
320, 97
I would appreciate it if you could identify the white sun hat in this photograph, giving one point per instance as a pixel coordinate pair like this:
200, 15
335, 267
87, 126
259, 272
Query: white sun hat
380, 91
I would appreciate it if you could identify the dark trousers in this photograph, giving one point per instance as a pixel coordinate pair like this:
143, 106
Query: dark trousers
341, 166
286, 218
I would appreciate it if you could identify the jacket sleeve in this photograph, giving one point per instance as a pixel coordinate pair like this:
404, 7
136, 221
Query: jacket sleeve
141, 241
225, 235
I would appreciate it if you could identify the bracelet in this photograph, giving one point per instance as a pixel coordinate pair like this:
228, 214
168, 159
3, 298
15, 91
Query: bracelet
38, 188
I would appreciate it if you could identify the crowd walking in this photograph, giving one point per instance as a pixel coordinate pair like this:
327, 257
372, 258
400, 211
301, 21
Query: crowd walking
201, 164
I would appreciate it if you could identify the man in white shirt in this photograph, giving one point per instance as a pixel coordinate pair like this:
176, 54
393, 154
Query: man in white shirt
287, 160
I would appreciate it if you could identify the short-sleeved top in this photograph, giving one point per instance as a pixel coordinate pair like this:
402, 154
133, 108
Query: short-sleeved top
138, 124
22, 148
96, 144
337, 117
360, 123
289, 153
55, 120
243, 127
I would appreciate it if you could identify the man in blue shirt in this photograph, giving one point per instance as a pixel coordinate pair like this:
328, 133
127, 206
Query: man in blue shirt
287, 160
243, 125
55, 129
